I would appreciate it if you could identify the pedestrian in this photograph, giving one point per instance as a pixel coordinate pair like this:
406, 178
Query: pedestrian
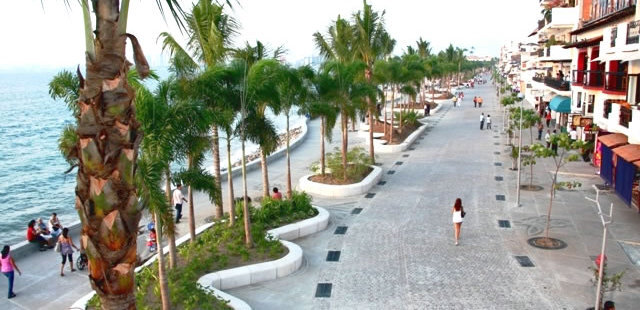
8, 266
35, 236
547, 138
540, 128
488, 121
481, 121
554, 145
427, 109
573, 134
458, 214
277, 195
609, 305
66, 250
455, 100
54, 225
548, 118
152, 241
480, 102
178, 198
475, 101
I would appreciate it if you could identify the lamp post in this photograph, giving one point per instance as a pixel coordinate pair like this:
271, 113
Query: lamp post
520, 97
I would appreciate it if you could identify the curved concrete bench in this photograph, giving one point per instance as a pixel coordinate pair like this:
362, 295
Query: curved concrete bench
328, 190
395, 148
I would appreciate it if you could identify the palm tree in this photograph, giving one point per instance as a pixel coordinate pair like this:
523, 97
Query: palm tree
370, 44
294, 91
210, 33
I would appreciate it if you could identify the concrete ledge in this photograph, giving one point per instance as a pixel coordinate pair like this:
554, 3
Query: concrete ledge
25, 248
255, 164
302, 228
395, 148
328, 190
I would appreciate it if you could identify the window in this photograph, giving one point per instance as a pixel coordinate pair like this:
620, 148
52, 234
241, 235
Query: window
590, 104
579, 100
625, 116
606, 108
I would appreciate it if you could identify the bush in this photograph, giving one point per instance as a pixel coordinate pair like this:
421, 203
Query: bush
358, 162
275, 213
409, 118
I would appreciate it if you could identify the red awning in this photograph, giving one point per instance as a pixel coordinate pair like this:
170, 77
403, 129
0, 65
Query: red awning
613, 140
629, 152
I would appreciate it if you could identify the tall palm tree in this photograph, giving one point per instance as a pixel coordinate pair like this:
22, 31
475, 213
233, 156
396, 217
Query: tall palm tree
370, 43
210, 32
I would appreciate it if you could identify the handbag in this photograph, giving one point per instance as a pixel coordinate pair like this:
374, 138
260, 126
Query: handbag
463, 213
57, 248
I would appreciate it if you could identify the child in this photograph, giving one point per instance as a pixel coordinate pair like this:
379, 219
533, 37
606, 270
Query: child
151, 242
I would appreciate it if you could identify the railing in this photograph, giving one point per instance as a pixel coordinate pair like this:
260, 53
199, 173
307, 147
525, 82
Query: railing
604, 8
594, 78
547, 51
538, 79
578, 77
614, 36
616, 81
557, 84
625, 116
632, 32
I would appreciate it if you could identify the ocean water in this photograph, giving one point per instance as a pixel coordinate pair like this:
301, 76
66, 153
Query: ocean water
32, 179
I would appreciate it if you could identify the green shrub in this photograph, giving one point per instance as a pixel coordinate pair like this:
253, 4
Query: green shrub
409, 118
358, 162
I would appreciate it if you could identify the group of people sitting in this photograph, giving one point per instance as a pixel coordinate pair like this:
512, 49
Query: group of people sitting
45, 235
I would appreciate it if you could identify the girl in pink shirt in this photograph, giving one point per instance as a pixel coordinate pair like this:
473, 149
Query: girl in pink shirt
7, 266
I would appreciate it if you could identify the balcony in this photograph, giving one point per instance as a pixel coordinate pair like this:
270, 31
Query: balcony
604, 8
556, 53
593, 78
616, 81
578, 77
632, 32
561, 18
538, 78
557, 84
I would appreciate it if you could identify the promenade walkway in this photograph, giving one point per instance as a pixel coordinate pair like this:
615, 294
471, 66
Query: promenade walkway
399, 252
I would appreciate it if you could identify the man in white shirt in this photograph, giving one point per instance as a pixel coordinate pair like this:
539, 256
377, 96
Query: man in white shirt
178, 198
573, 134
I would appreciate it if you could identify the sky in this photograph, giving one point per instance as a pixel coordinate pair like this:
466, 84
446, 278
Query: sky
46, 34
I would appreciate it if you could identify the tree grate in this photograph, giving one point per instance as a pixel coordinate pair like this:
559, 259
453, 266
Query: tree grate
524, 261
369, 195
497, 153
382, 183
500, 197
497, 164
323, 290
340, 230
399, 163
356, 211
499, 178
504, 224
333, 256
391, 172
405, 155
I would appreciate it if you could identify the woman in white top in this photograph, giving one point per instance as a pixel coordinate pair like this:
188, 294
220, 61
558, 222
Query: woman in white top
457, 212
54, 225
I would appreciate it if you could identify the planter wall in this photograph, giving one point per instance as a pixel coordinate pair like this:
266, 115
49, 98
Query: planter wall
381, 148
327, 190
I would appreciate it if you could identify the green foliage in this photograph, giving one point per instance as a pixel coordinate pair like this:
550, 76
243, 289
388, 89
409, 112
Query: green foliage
66, 86
409, 118
609, 283
529, 117
358, 162
275, 213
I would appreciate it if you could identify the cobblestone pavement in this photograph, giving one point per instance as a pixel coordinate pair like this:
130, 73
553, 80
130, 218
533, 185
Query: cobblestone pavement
399, 252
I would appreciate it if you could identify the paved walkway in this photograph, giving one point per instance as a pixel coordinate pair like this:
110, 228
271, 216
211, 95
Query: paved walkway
398, 253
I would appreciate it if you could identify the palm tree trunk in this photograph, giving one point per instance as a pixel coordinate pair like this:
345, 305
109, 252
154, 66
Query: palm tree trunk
400, 122
367, 75
171, 236
345, 142
192, 216
162, 278
107, 149
248, 240
215, 150
384, 102
322, 135
265, 174
393, 100
289, 193
232, 200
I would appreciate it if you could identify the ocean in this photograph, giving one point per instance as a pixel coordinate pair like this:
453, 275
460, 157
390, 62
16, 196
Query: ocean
32, 179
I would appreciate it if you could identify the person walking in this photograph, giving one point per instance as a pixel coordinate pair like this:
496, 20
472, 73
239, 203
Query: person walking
178, 198
479, 102
547, 118
458, 213
66, 250
427, 109
540, 128
475, 101
547, 138
481, 121
8, 265
455, 100
488, 121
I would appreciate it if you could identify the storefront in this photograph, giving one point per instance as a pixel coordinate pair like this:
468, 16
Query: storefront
626, 172
603, 156
561, 105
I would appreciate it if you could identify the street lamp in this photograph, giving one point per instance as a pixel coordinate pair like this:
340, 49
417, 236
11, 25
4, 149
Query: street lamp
520, 98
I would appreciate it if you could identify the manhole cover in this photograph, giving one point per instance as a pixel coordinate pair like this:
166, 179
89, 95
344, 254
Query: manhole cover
399, 163
497, 153
341, 230
356, 211
369, 195
323, 290
496, 136
497, 164
391, 172
500, 197
524, 261
405, 155
504, 224
382, 183
496, 143
547, 243
333, 256
498, 178
412, 149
